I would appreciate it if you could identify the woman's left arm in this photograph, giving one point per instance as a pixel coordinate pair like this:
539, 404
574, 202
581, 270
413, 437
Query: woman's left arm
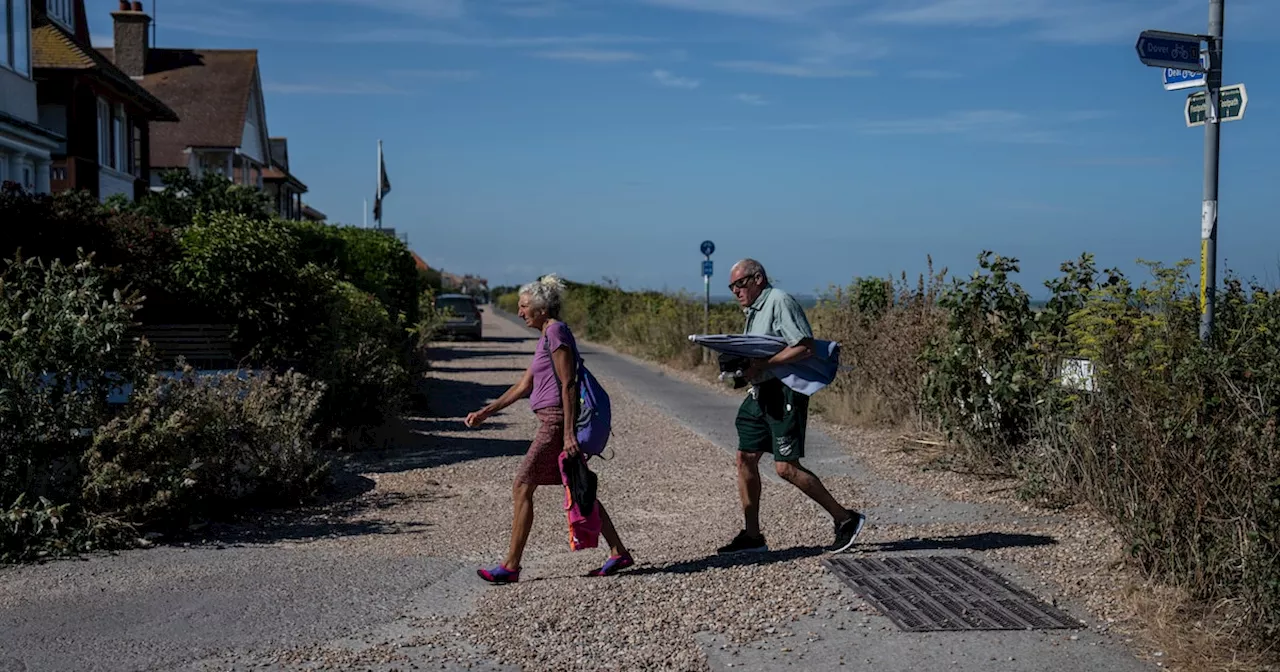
562, 360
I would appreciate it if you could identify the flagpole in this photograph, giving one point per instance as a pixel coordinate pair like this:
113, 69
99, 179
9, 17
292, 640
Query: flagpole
366, 213
378, 188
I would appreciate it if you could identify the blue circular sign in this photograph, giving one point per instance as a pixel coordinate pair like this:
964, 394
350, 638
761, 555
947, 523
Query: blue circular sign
708, 247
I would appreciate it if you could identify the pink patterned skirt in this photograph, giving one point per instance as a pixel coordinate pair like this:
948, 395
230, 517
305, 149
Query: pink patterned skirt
541, 465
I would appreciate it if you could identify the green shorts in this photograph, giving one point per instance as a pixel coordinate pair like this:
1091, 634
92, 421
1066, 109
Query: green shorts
773, 421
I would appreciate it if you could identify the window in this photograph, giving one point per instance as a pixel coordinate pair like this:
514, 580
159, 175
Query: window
15, 36
64, 12
104, 133
135, 144
119, 141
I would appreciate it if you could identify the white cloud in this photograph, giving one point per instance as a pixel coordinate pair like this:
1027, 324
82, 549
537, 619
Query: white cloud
454, 39
427, 9
331, 88
810, 71
970, 12
1074, 22
665, 78
590, 55
757, 9
992, 125
934, 74
451, 75
751, 99
530, 9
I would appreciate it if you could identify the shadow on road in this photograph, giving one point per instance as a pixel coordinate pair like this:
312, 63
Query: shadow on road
985, 541
479, 369
439, 354
456, 398
452, 424
330, 517
427, 451
736, 560
509, 339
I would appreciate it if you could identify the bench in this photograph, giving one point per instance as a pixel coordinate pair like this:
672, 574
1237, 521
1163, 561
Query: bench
204, 346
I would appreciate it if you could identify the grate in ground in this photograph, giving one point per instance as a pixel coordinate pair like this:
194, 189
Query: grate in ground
948, 592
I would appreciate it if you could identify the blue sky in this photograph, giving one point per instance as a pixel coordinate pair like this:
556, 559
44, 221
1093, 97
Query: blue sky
828, 138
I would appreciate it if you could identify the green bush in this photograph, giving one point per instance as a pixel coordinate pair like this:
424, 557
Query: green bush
185, 196
74, 478
362, 361
187, 449
247, 272
985, 378
63, 335
371, 260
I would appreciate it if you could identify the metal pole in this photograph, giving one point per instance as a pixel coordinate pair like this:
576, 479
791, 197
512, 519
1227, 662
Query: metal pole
706, 310
1209, 207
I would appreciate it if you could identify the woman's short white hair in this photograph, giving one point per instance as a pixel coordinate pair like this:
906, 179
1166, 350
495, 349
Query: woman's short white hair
546, 293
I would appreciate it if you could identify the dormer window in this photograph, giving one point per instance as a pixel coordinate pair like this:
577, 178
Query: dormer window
63, 11
15, 37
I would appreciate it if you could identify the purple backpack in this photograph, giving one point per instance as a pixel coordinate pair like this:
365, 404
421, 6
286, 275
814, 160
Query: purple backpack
594, 420
594, 416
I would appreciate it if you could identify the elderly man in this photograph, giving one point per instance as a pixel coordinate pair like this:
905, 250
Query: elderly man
772, 417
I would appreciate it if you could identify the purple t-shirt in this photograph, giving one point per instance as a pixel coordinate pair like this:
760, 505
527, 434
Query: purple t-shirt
546, 389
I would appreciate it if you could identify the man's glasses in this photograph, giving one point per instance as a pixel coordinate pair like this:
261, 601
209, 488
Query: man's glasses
740, 282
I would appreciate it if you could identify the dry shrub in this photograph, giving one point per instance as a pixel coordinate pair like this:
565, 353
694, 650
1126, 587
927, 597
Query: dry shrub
883, 328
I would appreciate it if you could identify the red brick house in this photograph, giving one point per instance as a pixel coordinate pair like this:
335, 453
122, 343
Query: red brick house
217, 95
104, 115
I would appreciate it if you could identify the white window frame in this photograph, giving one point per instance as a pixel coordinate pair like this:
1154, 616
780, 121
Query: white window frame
62, 11
120, 138
104, 133
15, 28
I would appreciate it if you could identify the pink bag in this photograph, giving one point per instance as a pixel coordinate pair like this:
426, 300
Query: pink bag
584, 530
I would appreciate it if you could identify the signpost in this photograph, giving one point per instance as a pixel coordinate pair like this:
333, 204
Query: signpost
1160, 49
1187, 66
1231, 103
708, 248
1176, 79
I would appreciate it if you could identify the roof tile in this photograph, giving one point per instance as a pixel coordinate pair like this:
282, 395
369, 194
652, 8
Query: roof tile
208, 88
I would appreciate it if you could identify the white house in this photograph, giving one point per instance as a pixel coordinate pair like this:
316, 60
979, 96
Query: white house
25, 147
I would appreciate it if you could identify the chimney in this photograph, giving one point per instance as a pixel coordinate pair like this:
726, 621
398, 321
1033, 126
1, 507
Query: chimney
131, 24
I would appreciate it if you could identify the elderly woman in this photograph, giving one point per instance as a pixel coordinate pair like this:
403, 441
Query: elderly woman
550, 384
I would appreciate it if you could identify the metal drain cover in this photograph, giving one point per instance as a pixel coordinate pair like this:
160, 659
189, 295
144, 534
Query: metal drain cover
946, 592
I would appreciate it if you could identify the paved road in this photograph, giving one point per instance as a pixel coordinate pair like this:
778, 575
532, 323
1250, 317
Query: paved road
354, 573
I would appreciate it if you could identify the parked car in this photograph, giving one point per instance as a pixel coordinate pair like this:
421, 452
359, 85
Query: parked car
461, 316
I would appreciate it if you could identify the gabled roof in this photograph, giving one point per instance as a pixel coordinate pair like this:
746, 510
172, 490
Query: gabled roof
210, 90
312, 214
417, 261
275, 174
53, 48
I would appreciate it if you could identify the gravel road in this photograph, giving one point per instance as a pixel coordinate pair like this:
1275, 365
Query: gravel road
384, 578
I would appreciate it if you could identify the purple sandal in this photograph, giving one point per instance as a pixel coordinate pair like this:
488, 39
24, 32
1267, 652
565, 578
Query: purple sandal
613, 565
499, 574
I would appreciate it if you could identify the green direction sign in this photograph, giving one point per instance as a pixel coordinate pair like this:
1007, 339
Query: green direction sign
1231, 103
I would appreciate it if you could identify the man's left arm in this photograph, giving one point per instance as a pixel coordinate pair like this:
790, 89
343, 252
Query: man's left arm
794, 328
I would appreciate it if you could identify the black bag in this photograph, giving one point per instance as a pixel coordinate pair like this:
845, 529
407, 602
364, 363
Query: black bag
582, 484
734, 364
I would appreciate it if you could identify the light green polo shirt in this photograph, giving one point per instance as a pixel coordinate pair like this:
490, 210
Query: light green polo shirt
777, 313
